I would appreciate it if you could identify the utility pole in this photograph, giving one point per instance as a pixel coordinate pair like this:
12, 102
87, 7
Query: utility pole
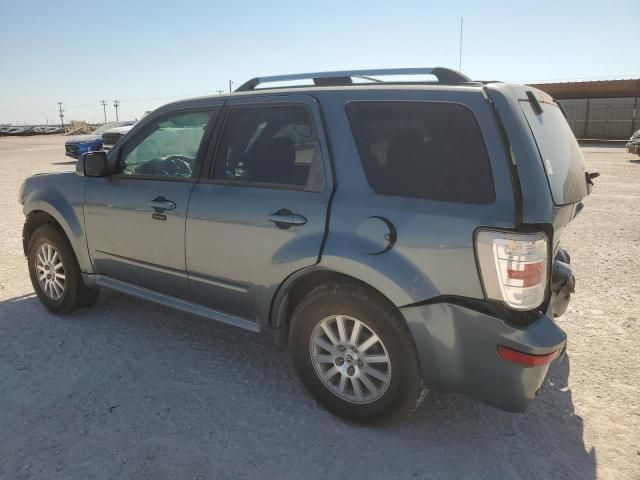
460, 58
229, 86
61, 115
116, 104
104, 109
219, 92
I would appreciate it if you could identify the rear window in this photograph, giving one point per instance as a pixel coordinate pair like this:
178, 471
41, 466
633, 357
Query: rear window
422, 150
560, 153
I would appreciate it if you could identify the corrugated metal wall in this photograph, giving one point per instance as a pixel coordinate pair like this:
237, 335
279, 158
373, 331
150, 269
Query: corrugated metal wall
605, 118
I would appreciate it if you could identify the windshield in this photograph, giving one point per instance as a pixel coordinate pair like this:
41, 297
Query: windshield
110, 125
561, 155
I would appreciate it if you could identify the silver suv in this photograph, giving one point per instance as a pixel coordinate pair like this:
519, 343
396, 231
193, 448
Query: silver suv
394, 236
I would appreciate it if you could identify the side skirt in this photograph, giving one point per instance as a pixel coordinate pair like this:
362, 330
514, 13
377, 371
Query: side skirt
169, 301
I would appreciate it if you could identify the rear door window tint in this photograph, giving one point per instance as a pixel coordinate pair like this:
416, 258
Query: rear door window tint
422, 149
269, 146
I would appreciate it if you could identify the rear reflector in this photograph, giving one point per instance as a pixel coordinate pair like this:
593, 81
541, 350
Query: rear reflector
526, 359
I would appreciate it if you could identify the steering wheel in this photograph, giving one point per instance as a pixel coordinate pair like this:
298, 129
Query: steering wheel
179, 165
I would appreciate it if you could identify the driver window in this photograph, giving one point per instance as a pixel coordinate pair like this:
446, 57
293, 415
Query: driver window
169, 149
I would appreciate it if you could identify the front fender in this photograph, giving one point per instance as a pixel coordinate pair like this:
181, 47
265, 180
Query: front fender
67, 209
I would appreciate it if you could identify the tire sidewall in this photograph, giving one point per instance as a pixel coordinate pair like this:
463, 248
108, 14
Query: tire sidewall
48, 234
375, 315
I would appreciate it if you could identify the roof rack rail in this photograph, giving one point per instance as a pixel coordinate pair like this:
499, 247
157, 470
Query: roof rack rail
445, 76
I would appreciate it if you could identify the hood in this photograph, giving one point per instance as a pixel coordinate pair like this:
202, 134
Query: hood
84, 139
121, 130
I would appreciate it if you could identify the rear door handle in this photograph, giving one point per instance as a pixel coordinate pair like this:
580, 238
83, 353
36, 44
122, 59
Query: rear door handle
285, 218
160, 204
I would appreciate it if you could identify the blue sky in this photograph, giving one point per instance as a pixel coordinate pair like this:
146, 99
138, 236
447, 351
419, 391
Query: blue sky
146, 53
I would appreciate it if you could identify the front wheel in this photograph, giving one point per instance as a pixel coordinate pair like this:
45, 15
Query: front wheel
355, 354
55, 274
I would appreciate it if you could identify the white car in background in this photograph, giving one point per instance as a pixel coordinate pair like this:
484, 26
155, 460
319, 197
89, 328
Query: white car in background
111, 137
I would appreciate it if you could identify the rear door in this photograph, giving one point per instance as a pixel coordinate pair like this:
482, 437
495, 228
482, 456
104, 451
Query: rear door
260, 215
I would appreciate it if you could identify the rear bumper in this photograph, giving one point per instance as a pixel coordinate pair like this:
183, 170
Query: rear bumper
458, 352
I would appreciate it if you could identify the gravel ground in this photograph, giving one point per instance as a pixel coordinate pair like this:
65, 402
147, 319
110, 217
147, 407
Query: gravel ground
128, 389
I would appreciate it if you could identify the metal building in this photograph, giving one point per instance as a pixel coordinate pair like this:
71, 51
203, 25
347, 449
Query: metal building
600, 109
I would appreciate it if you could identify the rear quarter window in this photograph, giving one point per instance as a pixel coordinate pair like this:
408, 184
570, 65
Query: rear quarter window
423, 150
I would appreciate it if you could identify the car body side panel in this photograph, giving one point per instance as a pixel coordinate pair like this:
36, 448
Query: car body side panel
125, 239
433, 253
61, 195
236, 257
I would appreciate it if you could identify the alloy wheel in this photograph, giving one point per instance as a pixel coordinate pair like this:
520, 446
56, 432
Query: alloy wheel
50, 271
350, 359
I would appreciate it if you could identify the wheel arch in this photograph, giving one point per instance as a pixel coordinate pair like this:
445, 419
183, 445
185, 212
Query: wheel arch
35, 219
295, 287
66, 222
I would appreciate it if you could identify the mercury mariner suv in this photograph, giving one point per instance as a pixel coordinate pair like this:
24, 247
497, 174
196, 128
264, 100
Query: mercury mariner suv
394, 235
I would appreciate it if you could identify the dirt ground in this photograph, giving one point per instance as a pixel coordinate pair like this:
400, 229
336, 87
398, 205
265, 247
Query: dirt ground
128, 389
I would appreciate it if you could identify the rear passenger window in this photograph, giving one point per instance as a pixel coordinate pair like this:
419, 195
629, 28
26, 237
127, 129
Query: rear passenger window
270, 145
422, 150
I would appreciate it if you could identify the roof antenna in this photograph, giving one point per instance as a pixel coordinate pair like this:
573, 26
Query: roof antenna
460, 57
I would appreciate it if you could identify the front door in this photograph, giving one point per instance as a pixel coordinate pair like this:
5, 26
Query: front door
261, 214
135, 219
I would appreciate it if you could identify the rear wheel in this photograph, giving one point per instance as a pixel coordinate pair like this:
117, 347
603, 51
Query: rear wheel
55, 274
354, 353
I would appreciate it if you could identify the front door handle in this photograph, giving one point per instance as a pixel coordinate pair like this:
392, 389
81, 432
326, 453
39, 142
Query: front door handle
160, 204
285, 218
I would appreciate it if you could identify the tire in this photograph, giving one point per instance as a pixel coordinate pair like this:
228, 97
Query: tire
398, 386
50, 253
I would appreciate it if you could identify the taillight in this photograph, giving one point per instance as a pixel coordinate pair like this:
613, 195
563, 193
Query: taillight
513, 267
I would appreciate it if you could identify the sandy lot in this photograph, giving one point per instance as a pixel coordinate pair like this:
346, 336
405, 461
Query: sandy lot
133, 390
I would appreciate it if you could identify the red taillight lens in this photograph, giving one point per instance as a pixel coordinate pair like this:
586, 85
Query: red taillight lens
526, 359
531, 274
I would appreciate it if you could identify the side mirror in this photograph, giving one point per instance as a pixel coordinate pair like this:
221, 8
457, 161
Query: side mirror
93, 164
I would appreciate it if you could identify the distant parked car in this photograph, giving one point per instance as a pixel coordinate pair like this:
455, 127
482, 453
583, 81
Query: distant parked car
76, 146
27, 131
633, 145
111, 137
46, 130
